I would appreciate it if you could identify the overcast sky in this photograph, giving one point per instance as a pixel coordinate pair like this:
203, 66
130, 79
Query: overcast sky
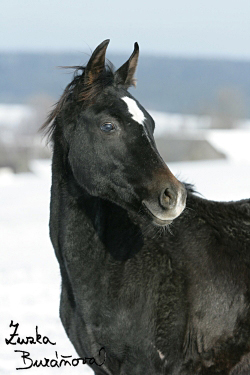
212, 28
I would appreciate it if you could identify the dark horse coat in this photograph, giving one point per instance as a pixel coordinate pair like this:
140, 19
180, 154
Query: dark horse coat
148, 286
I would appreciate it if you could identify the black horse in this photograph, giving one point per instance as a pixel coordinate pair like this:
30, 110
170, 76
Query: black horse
155, 279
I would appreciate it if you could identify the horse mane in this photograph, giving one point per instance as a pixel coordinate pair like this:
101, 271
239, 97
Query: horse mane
77, 91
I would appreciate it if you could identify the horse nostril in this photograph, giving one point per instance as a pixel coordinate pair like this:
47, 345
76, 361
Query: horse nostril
167, 198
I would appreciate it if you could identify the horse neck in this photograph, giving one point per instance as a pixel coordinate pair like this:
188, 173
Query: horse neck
120, 235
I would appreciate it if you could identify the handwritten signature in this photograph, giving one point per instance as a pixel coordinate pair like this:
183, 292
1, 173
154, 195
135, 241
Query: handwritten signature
64, 360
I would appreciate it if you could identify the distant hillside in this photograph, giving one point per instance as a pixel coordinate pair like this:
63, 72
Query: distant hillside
165, 84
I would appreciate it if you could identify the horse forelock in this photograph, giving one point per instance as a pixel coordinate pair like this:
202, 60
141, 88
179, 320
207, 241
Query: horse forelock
76, 91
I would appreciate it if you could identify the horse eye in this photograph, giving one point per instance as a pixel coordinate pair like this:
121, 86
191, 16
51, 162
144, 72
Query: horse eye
107, 127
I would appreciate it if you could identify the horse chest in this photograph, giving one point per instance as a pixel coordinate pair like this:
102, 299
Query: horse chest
131, 307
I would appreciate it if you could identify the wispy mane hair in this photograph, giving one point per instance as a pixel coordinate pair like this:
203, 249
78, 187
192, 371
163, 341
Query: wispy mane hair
77, 91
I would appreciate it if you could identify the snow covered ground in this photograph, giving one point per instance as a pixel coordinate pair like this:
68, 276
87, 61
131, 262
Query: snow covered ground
29, 272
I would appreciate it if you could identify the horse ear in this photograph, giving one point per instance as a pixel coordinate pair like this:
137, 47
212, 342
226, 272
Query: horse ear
96, 63
125, 74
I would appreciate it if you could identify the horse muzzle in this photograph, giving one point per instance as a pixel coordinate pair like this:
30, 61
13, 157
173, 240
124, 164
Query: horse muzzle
166, 204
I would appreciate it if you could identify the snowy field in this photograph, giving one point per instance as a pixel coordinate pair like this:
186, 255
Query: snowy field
29, 271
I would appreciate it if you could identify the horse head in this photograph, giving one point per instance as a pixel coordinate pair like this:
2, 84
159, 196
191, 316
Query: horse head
108, 141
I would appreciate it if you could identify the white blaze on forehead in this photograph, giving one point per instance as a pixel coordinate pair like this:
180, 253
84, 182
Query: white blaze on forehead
134, 110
